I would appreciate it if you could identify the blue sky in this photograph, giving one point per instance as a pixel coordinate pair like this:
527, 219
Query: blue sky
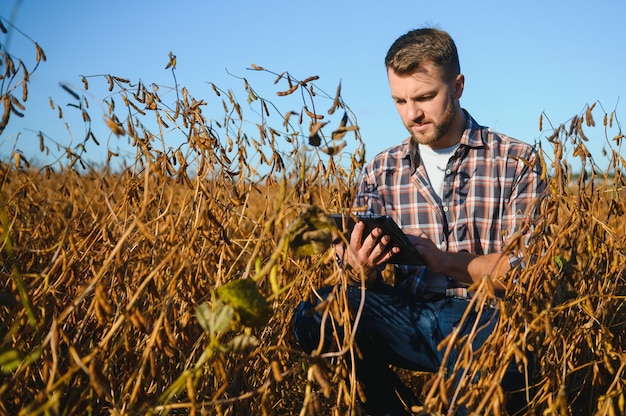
519, 58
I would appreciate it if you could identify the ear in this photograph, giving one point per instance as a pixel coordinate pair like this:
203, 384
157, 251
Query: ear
459, 84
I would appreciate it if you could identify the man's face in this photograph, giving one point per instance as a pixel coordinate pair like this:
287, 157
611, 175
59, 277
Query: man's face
429, 105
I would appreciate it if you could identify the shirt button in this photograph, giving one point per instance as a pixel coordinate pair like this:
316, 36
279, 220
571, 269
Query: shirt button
442, 245
448, 171
445, 208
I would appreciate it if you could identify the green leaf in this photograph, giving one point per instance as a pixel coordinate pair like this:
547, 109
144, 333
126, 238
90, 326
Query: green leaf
559, 261
244, 296
311, 232
10, 360
216, 319
242, 342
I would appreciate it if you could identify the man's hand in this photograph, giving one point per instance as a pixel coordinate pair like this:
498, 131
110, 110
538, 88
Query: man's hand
435, 259
366, 255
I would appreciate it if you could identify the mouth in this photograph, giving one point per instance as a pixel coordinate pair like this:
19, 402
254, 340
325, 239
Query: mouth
418, 127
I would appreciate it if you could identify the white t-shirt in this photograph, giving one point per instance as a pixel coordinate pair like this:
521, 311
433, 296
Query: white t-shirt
436, 161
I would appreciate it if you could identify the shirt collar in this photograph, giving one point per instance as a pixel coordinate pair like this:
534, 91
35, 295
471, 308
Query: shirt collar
472, 136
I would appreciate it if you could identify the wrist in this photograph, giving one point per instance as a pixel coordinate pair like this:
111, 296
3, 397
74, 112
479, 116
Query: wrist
375, 277
459, 266
368, 278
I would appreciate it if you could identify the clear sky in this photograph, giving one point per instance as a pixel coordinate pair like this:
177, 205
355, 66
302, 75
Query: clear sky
520, 58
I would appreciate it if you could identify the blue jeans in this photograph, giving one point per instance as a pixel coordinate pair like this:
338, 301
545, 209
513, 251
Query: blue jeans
397, 329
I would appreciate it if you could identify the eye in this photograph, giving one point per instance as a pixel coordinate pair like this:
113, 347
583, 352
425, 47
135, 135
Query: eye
424, 98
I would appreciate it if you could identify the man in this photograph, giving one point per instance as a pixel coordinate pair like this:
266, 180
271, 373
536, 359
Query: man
460, 191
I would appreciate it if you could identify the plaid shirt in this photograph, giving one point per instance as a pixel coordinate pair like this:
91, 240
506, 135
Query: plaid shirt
489, 183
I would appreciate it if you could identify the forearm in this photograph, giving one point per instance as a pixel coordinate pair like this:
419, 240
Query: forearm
470, 268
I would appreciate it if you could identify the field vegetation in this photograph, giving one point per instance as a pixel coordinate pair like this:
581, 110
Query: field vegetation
165, 284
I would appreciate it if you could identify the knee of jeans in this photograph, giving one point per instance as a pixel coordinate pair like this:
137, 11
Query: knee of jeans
306, 327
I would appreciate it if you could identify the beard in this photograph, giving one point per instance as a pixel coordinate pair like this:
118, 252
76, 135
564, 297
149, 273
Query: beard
436, 129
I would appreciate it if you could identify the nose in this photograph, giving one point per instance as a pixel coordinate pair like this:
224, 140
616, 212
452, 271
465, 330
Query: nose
414, 111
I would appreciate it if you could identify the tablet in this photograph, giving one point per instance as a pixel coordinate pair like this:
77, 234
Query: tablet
408, 253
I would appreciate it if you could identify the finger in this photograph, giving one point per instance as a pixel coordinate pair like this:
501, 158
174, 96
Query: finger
360, 246
389, 254
414, 238
380, 244
373, 240
357, 235
383, 250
